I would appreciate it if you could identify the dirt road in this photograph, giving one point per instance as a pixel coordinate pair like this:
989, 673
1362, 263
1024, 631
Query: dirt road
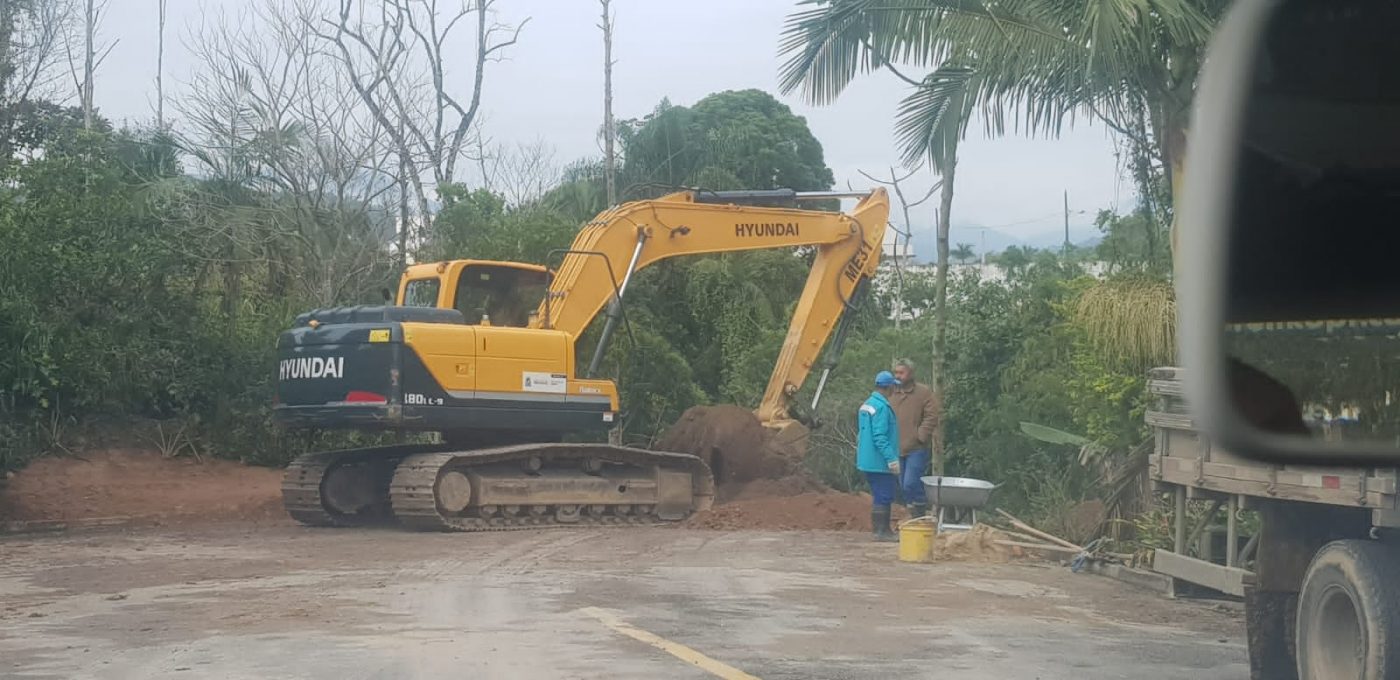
281, 601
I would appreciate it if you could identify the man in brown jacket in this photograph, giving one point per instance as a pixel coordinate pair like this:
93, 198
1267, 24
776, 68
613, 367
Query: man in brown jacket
917, 410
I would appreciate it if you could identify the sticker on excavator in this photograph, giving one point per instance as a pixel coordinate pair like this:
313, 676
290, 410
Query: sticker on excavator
555, 383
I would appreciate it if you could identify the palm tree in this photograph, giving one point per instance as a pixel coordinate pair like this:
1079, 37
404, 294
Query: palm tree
963, 253
1131, 63
1033, 63
932, 121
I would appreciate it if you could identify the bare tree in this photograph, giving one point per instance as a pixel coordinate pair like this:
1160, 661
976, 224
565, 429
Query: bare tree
521, 173
609, 127
83, 66
306, 182
30, 31
160, 64
393, 57
896, 182
90, 21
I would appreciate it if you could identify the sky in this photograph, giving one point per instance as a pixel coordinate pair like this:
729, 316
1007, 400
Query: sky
549, 87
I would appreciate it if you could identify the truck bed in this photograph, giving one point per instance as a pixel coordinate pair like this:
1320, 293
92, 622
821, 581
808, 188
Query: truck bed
1191, 467
1184, 457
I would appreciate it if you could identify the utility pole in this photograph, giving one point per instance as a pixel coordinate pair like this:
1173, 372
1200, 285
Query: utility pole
1066, 222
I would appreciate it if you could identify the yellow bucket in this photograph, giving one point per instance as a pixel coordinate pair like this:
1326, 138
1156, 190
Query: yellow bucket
916, 540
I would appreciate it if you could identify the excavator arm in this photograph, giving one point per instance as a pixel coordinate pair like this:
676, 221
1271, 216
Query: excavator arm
597, 268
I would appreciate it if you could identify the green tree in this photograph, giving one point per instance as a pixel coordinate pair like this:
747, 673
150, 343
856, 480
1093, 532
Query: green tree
1132, 64
1136, 242
963, 253
133, 290
725, 314
737, 139
94, 309
1037, 62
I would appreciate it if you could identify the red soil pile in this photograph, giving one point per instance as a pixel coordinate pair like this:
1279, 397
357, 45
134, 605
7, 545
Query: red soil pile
814, 510
736, 446
142, 486
760, 480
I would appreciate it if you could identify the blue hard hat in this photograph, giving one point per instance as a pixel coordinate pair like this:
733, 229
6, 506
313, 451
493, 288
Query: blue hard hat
885, 379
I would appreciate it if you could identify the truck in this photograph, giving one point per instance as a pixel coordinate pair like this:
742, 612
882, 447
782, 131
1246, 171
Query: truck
1319, 575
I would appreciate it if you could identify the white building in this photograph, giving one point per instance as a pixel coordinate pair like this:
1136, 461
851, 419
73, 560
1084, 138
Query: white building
893, 267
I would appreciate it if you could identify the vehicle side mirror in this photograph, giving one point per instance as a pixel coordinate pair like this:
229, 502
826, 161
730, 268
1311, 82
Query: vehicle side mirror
1288, 234
388, 296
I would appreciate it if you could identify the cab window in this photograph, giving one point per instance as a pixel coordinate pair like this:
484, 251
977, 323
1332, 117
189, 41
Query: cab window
421, 293
504, 295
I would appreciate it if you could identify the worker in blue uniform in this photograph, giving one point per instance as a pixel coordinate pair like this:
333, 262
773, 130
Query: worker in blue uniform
877, 453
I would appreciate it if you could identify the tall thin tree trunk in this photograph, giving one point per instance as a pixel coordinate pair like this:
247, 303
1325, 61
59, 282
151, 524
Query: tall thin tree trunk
7, 30
403, 214
89, 61
160, 67
609, 131
940, 319
899, 263
7, 74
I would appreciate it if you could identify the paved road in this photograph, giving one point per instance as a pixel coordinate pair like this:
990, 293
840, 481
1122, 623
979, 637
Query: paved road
277, 601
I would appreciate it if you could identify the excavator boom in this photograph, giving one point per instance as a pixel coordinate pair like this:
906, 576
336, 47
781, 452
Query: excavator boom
610, 249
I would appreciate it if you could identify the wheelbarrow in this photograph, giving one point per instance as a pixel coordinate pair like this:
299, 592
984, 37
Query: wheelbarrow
957, 499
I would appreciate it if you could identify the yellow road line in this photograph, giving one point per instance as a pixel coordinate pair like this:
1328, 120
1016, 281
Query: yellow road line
676, 649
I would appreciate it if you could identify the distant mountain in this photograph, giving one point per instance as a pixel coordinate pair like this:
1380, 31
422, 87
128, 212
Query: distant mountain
925, 239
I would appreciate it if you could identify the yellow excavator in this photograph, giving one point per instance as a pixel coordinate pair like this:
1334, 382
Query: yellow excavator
483, 352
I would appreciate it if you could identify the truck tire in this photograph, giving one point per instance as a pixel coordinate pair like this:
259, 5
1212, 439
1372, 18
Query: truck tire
1349, 613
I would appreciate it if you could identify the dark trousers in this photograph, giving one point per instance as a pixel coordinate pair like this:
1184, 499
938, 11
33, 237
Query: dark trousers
882, 486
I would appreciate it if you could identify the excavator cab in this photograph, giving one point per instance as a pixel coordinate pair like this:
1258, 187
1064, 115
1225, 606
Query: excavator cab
487, 293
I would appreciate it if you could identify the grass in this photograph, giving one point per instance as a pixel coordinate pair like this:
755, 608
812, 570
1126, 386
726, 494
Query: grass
1130, 320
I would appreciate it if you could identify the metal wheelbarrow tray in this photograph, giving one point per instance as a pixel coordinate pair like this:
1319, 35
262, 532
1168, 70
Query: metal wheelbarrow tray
959, 492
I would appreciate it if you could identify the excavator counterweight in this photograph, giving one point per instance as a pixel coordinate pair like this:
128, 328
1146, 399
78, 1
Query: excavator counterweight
483, 352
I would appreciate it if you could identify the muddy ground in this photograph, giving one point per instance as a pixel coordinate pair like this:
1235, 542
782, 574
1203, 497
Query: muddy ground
139, 487
244, 601
209, 579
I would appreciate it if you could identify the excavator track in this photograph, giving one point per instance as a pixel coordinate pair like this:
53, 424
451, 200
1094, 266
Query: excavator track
417, 497
305, 495
440, 487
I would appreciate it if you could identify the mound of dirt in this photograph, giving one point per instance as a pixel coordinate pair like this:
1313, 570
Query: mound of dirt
812, 510
765, 506
142, 486
799, 482
736, 446
759, 478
